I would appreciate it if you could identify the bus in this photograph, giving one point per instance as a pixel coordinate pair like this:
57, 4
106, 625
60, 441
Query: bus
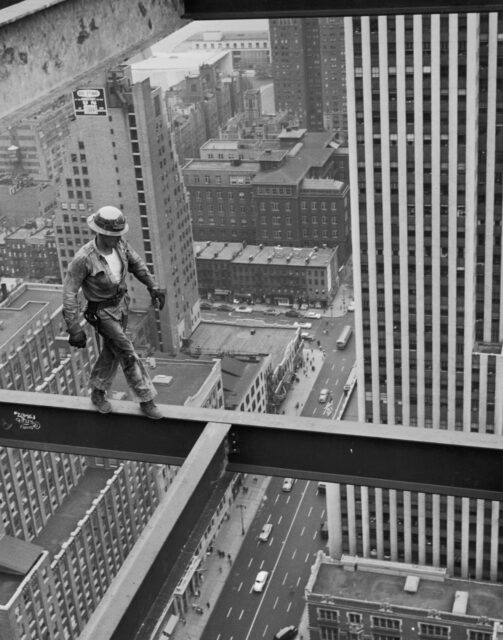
343, 339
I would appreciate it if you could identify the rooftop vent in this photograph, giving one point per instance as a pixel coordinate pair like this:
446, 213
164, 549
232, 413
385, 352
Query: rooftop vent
411, 584
162, 378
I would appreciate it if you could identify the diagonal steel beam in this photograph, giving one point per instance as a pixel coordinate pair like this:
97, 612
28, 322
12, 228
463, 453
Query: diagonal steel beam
428, 460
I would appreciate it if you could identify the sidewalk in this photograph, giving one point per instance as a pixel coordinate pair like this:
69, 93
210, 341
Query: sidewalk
216, 569
299, 391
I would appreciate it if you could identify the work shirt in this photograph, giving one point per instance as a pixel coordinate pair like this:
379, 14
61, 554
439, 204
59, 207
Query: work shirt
90, 271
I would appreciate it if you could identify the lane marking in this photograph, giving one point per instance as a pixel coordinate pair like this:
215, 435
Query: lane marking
250, 563
309, 512
307, 558
284, 579
303, 495
280, 519
337, 382
241, 614
298, 580
229, 612
240, 585
289, 605
302, 531
294, 554
275, 602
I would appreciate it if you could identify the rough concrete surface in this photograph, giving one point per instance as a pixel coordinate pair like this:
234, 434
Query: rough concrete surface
46, 50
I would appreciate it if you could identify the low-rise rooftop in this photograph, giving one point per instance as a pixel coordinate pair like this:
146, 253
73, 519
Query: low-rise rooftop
369, 583
25, 306
244, 337
217, 250
293, 256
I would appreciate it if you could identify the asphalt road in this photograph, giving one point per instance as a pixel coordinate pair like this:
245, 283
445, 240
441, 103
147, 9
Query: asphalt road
240, 613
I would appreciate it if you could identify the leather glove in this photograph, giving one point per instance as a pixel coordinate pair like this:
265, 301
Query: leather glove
78, 339
158, 298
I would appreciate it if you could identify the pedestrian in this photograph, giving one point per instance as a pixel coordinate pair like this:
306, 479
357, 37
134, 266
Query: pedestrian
208, 605
229, 558
220, 569
100, 268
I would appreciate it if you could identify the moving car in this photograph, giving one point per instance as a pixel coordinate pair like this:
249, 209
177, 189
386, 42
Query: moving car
324, 394
292, 313
224, 307
265, 533
306, 336
322, 487
351, 305
287, 484
271, 312
324, 530
313, 314
260, 581
286, 633
243, 309
206, 305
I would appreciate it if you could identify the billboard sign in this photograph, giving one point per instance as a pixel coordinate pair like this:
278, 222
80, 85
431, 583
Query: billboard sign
89, 102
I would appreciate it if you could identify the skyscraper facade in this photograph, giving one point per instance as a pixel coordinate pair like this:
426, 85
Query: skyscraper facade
424, 117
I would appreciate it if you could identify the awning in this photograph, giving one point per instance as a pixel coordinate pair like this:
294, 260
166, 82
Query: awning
222, 292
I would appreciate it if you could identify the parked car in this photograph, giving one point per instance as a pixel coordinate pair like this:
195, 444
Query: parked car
271, 312
313, 314
287, 484
224, 307
303, 325
243, 309
324, 530
292, 313
351, 305
263, 536
287, 633
260, 581
306, 336
324, 395
206, 305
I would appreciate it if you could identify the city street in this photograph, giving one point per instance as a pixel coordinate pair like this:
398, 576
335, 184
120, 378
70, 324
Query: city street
287, 556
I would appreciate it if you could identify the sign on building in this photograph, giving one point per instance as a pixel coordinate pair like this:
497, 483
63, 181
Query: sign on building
89, 102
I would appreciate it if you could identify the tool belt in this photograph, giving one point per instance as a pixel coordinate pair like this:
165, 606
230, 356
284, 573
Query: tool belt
93, 306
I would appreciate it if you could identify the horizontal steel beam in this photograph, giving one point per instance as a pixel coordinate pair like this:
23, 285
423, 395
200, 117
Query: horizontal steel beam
220, 9
433, 461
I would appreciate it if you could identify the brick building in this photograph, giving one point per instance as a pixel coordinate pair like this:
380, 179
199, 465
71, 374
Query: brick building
272, 192
30, 253
274, 275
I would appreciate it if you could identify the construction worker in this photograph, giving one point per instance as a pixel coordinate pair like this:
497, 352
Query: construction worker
100, 268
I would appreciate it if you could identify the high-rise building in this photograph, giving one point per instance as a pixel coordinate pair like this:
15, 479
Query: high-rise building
424, 115
127, 158
307, 56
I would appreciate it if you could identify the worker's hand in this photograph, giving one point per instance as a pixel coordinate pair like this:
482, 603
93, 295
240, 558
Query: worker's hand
158, 298
78, 339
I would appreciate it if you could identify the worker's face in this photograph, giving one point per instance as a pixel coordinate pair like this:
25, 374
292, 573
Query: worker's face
108, 242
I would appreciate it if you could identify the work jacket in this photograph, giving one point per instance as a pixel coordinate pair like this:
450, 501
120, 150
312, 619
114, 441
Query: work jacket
90, 272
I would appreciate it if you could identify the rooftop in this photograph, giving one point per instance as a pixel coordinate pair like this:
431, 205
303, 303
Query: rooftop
484, 599
323, 184
229, 35
217, 250
299, 257
236, 337
25, 306
237, 376
176, 380
245, 166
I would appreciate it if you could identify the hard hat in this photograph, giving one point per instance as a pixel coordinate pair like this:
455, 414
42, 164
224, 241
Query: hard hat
108, 221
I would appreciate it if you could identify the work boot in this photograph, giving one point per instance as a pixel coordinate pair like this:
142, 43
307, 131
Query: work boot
151, 410
98, 398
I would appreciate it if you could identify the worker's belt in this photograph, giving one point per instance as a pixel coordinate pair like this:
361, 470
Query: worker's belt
93, 306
